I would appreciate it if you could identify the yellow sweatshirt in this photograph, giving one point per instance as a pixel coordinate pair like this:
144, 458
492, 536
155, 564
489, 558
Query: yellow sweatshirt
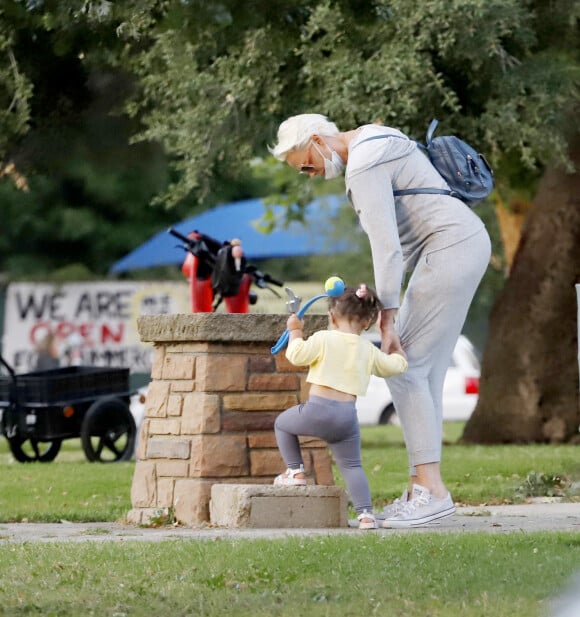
343, 361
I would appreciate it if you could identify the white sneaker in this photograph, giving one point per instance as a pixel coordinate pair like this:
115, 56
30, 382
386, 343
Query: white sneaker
421, 509
288, 478
394, 508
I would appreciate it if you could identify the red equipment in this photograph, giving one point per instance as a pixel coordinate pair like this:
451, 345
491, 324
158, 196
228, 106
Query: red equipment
200, 291
218, 271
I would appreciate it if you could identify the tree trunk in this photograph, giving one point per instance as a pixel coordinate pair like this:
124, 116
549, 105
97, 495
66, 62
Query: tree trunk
529, 380
511, 220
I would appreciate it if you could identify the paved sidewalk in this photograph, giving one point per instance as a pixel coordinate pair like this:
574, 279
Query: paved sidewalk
491, 519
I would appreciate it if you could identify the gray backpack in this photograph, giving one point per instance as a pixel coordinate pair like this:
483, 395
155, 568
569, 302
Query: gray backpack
465, 170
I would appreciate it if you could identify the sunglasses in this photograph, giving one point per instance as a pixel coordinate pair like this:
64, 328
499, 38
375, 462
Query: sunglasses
307, 168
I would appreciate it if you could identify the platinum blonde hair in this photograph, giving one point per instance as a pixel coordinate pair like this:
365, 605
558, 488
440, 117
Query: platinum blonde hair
295, 132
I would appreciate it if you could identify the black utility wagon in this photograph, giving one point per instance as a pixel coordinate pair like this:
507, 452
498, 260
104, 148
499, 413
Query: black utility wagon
40, 409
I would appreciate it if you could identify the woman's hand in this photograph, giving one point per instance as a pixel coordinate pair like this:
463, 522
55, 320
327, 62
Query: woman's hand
390, 341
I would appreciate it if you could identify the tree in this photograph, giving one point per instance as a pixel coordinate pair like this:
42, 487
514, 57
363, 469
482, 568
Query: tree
76, 194
75, 190
218, 77
529, 387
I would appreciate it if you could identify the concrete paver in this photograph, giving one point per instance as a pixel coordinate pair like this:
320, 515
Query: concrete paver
265, 506
524, 518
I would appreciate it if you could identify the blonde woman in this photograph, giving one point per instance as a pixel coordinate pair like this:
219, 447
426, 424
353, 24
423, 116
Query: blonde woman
438, 242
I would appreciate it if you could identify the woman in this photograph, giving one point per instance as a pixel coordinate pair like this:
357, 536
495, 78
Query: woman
47, 353
435, 239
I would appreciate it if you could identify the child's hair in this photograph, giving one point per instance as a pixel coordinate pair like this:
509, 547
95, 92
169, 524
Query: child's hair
356, 304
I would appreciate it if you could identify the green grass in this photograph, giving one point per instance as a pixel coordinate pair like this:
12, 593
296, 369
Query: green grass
70, 488
469, 575
474, 474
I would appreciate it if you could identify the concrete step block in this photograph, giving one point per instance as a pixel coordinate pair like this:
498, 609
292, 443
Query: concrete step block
272, 507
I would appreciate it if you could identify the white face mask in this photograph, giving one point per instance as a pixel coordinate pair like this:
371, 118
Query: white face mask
332, 167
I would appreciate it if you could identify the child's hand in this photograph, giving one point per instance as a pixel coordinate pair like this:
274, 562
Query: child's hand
294, 323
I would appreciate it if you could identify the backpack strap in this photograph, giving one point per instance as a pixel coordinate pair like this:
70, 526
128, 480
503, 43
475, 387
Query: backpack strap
430, 131
428, 137
372, 137
403, 192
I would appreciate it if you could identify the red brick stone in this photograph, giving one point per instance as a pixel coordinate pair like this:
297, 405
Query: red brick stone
158, 358
165, 492
272, 382
191, 347
140, 452
216, 348
311, 442
164, 426
191, 500
201, 413
177, 469
268, 440
168, 447
183, 385
174, 405
144, 486
258, 402
241, 422
221, 373
283, 365
321, 465
262, 440
157, 396
266, 462
261, 364
304, 389
218, 456
178, 366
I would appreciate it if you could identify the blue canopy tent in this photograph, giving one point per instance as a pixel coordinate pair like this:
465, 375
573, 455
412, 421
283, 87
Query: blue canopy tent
239, 220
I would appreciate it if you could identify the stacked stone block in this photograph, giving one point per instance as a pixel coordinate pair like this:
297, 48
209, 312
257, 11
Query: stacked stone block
214, 395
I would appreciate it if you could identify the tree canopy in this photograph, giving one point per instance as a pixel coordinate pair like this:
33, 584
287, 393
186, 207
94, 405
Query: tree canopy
217, 78
210, 81
106, 107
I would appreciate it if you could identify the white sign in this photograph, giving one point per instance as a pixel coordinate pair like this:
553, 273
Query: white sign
95, 323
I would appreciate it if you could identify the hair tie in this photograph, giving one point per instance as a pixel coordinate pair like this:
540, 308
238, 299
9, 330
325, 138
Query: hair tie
362, 291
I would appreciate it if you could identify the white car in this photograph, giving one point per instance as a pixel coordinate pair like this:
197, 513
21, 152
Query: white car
460, 390
137, 406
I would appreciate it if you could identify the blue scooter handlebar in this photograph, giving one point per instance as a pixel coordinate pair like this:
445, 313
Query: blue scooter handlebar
283, 340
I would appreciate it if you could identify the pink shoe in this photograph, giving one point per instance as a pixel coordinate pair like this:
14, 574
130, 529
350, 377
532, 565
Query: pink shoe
288, 478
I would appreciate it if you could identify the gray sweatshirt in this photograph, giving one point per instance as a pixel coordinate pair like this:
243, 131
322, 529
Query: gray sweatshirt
401, 229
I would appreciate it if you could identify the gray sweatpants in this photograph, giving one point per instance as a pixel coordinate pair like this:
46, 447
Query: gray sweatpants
429, 322
336, 423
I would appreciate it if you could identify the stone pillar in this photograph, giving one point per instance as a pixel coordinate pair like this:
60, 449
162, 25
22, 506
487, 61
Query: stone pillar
215, 392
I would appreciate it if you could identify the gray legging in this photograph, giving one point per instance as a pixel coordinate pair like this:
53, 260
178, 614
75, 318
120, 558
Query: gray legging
336, 423
429, 322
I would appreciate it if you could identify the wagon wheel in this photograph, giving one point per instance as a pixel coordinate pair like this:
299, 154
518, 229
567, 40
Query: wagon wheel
30, 450
108, 431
